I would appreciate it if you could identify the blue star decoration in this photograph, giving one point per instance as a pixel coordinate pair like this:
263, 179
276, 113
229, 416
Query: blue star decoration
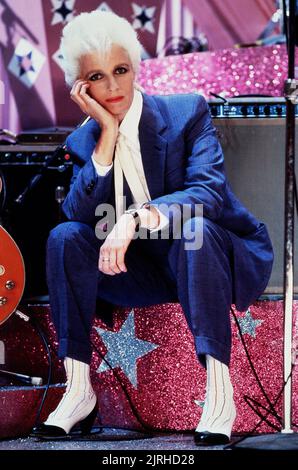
124, 349
248, 324
25, 63
63, 11
143, 17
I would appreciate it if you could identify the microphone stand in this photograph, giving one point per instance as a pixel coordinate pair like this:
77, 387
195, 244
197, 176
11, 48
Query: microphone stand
291, 90
61, 149
287, 439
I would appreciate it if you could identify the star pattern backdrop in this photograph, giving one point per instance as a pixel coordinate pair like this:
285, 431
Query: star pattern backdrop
25, 68
63, 11
32, 87
26, 63
57, 13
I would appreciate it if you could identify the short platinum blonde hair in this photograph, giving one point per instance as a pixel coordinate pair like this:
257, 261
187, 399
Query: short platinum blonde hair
96, 31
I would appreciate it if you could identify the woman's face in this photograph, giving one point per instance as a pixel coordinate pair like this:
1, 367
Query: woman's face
109, 78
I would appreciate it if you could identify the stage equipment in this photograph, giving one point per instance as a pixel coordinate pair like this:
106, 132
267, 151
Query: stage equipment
249, 107
21, 377
50, 136
36, 178
253, 148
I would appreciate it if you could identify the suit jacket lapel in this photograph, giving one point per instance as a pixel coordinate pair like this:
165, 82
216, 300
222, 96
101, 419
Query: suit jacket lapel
153, 146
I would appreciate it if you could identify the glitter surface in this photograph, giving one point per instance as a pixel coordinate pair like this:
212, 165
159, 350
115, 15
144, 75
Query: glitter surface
25, 352
169, 389
171, 384
230, 72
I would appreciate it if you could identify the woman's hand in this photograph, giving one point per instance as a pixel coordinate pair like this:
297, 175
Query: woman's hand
79, 94
112, 252
109, 124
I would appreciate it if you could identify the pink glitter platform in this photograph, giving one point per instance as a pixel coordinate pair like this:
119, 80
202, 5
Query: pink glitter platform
155, 381
230, 72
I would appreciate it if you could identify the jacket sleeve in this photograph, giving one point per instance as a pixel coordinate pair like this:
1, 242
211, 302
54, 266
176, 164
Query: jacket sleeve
205, 179
87, 188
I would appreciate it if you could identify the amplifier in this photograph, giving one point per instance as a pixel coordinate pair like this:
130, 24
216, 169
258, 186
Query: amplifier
24, 155
250, 107
30, 221
51, 135
254, 151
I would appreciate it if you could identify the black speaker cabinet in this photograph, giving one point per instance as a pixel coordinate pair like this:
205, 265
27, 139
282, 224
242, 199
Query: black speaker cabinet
254, 150
30, 223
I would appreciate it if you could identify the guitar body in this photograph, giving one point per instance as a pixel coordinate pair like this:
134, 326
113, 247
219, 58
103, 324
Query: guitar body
12, 275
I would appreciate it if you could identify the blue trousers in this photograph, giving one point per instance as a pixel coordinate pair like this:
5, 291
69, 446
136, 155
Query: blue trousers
158, 271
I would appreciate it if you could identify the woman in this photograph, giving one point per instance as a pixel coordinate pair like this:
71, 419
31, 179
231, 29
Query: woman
161, 153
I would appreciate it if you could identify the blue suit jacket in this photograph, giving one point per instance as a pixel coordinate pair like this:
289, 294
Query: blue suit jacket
183, 164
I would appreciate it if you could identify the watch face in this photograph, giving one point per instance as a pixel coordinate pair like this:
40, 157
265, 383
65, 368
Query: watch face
131, 211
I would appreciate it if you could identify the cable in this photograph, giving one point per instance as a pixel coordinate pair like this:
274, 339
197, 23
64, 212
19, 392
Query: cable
3, 191
132, 406
263, 418
218, 96
247, 399
252, 366
254, 95
271, 410
42, 335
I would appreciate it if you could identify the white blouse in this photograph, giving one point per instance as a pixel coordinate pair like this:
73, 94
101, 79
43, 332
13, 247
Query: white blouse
128, 147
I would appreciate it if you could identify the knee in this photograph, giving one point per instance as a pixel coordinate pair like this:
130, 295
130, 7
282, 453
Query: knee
69, 232
202, 232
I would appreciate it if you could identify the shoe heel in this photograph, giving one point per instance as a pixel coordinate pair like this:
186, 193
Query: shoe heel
87, 423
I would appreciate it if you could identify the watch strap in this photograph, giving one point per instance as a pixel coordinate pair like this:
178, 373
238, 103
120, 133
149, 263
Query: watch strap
136, 217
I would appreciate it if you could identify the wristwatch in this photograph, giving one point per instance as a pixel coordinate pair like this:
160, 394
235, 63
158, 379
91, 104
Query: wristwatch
136, 217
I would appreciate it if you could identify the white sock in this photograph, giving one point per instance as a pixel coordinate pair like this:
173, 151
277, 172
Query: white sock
219, 410
79, 398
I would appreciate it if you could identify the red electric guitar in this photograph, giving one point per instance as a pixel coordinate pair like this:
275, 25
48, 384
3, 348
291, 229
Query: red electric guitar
12, 274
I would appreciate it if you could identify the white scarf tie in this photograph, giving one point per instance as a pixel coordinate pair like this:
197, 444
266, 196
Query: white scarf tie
128, 160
